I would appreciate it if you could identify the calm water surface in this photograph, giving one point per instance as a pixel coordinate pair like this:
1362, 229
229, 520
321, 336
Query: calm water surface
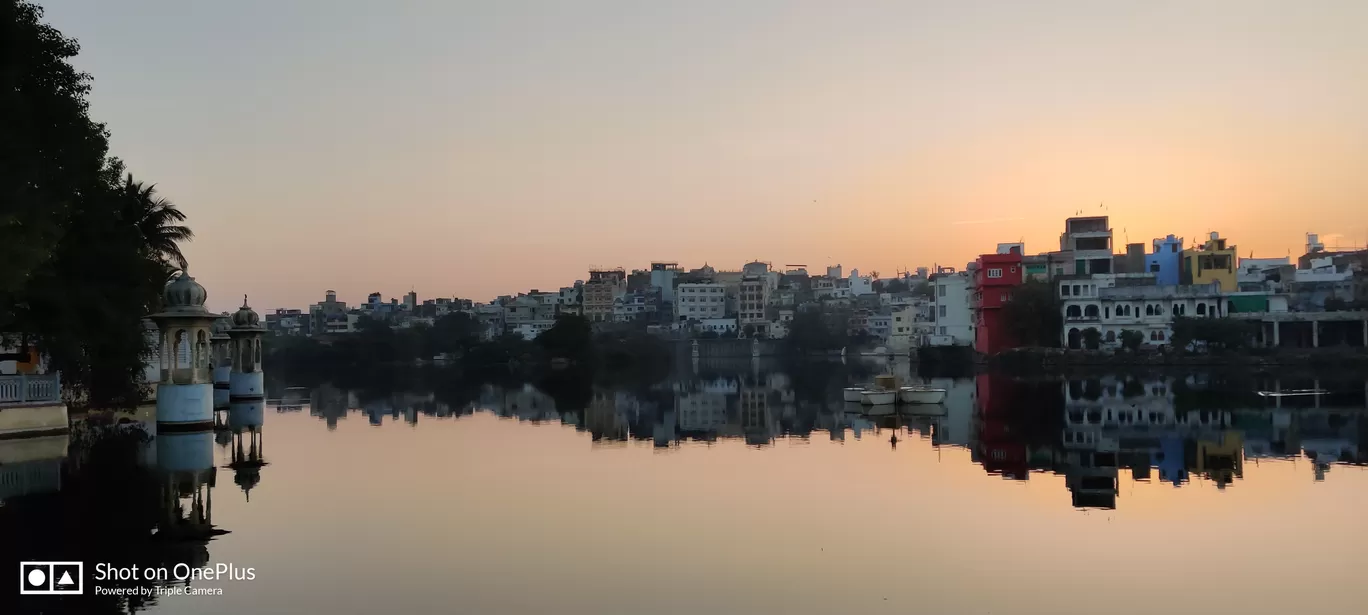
742, 491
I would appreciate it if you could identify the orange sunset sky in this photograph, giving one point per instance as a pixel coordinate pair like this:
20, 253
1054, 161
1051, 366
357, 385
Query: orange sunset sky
485, 148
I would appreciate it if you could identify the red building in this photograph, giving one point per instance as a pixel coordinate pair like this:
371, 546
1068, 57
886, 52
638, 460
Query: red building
997, 275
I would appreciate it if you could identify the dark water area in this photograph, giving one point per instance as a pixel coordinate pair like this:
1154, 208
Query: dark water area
731, 486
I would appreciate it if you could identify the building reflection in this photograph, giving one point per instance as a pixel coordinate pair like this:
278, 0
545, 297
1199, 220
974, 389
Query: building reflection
1093, 433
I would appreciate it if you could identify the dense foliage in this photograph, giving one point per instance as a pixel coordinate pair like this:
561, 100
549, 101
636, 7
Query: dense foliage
1131, 339
1032, 316
86, 248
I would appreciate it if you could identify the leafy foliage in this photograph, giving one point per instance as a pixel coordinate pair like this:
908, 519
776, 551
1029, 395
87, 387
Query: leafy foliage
1092, 338
1131, 339
86, 248
1032, 316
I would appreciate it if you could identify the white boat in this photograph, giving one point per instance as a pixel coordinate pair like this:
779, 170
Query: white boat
921, 395
851, 393
1293, 393
878, 397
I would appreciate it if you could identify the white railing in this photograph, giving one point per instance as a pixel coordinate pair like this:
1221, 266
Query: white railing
24, 388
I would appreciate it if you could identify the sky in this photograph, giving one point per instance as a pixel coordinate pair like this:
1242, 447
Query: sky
475, 149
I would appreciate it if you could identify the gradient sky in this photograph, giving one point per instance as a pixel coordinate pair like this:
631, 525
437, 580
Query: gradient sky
483, 148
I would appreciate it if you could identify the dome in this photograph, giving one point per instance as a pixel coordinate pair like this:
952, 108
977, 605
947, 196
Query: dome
221, 326
184, 294
245, 318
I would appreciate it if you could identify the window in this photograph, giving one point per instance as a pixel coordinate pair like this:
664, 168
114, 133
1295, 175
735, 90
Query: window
1111, 336
1013, 268
1106, 312
1201, 309
1159, 335
1149, 310
942, 330
940, 290
1077, 290
995, 272
942, 311
1064, 290
1173, 247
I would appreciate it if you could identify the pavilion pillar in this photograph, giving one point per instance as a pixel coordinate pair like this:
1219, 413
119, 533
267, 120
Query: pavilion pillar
1315, 334
1365, 333
1277, 338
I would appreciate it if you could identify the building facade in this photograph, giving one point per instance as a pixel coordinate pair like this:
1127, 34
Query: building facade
600, 293
1166, 261
700, 301
1090, 240
950, 313
1212, 262
996, 276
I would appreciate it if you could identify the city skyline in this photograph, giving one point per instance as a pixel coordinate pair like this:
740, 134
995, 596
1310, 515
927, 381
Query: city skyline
492, 149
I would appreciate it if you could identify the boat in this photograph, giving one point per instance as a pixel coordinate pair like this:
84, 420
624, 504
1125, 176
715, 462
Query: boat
921, 395
851, 393
1293, 393
878, 397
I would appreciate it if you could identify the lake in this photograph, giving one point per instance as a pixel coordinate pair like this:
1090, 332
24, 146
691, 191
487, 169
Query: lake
729, 488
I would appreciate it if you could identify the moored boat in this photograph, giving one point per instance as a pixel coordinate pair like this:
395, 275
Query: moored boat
921, 395
878, 397
851, 393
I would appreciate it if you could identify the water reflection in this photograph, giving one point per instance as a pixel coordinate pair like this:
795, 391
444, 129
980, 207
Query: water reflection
116, 491
1094, 432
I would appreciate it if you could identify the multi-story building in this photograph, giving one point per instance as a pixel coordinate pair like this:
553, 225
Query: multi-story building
641, 304
601, 291
1166, 261
724, 327
1090, 240
753, 296
953, 320
529, 309
996, 276
329, 316
700, 301
1263, 274
411, 301
860, 285
288, 322
1116, 303
1212, 263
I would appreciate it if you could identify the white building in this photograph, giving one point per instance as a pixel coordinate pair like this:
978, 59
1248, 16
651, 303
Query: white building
700, 301
753, 296
954, 321
721, 326
860, 285
1099, 303
531, 329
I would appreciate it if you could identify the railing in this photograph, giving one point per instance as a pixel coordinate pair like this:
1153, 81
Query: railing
25, 388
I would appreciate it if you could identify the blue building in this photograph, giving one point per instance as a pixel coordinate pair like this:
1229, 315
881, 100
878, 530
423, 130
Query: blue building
1166, 262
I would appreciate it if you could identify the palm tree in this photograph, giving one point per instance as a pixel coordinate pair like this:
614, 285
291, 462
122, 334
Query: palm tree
157, 221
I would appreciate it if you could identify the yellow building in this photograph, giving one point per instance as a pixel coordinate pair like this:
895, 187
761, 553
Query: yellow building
1213, 262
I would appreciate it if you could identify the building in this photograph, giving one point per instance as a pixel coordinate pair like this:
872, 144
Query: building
995, 277
604, 287
287, 322
663, 276
700, 301
1258, 274
954, 321
1213, 262
753, 295
724, 327
860, 285
329, 316
1115, 303
411, 301
1090, 241
640, 304
1132, 261
1166, 261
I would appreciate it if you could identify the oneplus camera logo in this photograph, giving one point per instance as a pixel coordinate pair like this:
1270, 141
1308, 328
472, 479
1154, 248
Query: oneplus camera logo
51, 578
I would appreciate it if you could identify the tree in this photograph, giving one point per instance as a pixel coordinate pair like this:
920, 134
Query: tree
809, 331
1214, 333
1092, 338
748, 331
1032, 316
895, 286
79, 275
455, 332
924, 289
1132, 339
571, 337
157, 220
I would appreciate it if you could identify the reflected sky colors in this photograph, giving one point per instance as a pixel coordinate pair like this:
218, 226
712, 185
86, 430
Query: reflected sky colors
382, 146
403, 501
